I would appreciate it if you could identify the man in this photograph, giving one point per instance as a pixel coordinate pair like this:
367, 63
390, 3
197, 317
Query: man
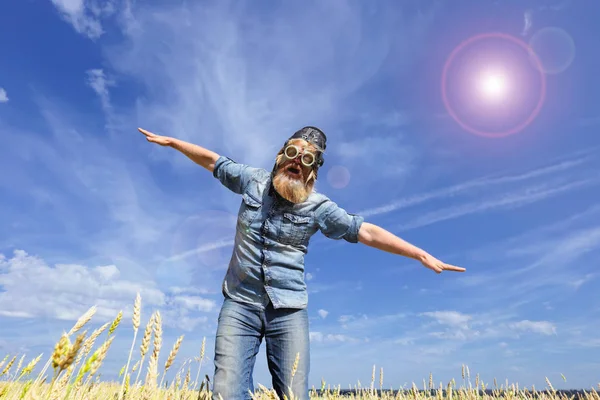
264, 289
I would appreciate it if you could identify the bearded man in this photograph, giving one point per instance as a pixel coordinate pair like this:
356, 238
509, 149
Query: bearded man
264, 290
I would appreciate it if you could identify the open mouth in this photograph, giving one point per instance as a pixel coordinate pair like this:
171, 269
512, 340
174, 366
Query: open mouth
293, 170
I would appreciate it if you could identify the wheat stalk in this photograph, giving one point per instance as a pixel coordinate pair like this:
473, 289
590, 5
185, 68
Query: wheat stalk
152, 374
8, 366
145, 345
200, 361
115, 323
84, 319
171, 358
137, 305
100, 355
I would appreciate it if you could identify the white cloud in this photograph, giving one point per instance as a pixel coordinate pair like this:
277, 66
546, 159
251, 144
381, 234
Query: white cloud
405, 341
98, 81
66, 291
451, 318
323, 313
176, 290
340, 286
195, 303
345, 318
361, 324
85, 15
309, 276
464, 327
3, 95
542, 327
577, 283
331, 338
458, 334
316, 336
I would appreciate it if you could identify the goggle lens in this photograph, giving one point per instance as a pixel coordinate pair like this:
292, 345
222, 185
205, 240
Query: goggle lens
292, 151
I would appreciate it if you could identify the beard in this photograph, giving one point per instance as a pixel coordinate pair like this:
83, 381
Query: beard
295, 189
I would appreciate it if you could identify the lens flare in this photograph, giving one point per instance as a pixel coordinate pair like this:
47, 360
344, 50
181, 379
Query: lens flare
338, 176
493, 85
555, 49
489, 87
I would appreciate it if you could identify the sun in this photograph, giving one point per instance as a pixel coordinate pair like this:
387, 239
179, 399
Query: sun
489, 87
493, 85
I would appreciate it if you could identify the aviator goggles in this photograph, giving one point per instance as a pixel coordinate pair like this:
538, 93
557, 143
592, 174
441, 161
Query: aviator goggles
291, 152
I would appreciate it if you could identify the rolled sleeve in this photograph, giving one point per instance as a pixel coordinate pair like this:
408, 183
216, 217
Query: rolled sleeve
335, 223
232, 175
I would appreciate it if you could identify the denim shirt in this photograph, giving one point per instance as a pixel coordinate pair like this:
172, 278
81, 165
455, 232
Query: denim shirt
272, 236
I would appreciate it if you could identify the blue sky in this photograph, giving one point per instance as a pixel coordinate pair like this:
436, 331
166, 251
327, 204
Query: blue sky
91, 213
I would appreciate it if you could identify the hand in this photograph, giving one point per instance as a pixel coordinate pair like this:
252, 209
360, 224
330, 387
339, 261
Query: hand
154, 138
438, 266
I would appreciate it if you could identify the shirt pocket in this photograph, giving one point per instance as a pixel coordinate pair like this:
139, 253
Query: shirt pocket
293, 229
249, 210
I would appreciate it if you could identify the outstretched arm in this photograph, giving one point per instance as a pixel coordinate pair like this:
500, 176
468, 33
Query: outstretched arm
377, 237
199, 155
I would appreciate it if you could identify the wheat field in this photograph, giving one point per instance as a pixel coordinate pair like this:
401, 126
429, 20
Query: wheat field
71, 372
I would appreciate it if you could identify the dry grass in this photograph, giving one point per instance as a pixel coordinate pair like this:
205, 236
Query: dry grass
71, 372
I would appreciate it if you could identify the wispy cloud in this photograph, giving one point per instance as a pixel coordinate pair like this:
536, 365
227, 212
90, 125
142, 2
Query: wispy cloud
450, 318
527, 22
320, 337
366, 154
509, 200
529, 13
3, 95
98, 81
342, 285
542, 327
86, 15
467, 327
550, 256
364, 324
480, 185
263, 80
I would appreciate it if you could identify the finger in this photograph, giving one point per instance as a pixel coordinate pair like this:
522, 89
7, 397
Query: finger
436, 269
449, 267
145, 132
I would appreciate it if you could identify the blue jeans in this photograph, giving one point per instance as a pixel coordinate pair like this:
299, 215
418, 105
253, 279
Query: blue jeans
240, 330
